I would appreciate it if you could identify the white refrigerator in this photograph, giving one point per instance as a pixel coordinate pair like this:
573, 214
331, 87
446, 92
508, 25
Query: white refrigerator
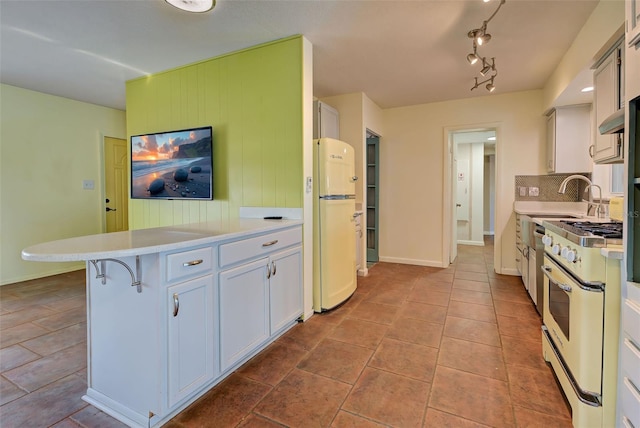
334, 260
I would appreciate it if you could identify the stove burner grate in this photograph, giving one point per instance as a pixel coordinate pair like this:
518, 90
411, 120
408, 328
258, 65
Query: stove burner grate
606, 230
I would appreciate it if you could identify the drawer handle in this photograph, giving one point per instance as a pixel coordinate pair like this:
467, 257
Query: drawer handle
192, 263
273, 268
270, 243
176, 304
268, 271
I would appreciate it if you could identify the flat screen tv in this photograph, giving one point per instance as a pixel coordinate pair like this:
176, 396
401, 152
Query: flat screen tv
173, 165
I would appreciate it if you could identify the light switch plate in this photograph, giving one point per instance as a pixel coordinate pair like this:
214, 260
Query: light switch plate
523, 191
88, 184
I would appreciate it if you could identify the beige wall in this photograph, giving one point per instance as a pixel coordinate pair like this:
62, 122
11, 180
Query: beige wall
413, 165
604, 22
48, 145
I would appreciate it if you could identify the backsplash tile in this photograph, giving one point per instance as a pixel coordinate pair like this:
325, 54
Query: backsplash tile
548, 186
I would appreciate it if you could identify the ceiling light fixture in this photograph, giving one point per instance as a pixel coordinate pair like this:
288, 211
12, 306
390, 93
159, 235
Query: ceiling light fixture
486, 67
473, 57
587, 89
490, 86
480, 37
196, 6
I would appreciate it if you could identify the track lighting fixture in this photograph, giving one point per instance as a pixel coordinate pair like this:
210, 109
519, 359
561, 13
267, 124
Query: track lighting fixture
480, 37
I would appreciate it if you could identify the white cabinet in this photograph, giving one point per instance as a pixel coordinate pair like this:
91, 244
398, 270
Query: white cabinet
633, 22
285, 293
260, 292
608, 98
201, 312
326, 121
359, 254
192, 336
629, 369
568, 139
244, 310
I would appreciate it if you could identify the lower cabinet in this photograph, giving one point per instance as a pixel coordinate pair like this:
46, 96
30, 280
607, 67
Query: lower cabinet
201, 311
285, 294
192, 335
244, 310
257, 299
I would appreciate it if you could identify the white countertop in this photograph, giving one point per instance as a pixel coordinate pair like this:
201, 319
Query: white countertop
570, 209
147, 241
613, 252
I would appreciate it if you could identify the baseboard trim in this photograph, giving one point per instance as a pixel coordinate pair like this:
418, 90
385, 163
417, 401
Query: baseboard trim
476, 243
429, 263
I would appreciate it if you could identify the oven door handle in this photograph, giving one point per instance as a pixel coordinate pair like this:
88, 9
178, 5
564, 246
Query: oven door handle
546, 270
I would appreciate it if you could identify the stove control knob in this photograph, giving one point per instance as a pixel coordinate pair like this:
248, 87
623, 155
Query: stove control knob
571, 256
547, 240
556, 249
563, 253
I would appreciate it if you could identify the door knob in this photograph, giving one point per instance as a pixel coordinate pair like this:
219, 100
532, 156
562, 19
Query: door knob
111, 209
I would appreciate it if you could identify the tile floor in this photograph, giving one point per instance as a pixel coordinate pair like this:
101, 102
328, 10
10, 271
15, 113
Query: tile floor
414, 347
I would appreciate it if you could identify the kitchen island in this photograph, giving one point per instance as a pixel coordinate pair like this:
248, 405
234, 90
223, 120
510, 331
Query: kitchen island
172, 311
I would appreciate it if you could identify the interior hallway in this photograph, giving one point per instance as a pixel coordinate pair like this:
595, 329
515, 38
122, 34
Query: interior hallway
415, 346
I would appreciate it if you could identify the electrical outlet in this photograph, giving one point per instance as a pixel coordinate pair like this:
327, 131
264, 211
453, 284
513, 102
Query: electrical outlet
88, 184
523, 191
534, 191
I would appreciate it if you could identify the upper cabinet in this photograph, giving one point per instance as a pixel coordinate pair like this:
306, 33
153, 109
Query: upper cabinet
568, 138
608, 82
326, 121
633, 22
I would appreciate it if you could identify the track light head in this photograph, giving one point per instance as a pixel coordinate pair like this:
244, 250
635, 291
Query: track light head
472, 58
490, 87
483, 39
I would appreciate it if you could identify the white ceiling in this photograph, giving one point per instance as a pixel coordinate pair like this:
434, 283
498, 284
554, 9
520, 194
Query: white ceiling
398, 52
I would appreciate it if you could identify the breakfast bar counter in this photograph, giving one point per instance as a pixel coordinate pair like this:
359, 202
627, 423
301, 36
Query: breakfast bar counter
172, 311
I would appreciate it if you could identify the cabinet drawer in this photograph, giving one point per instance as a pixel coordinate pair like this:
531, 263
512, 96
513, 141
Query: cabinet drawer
630, 361
189, 263
631, 320
251, 248
630, 402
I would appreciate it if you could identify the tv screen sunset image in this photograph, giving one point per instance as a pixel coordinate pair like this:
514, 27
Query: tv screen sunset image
172, 165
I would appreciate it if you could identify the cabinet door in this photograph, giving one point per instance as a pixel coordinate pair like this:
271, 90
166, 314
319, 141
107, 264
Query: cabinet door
285, 288
551, 142
605, 81
244, 310
192, 336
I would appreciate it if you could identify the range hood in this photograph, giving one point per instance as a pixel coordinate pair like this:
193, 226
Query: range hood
613, 124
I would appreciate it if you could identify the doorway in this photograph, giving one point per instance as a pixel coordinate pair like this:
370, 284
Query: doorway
372, 189
116, 179
471, 187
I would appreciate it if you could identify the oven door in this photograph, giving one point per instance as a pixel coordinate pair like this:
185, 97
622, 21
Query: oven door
573, 315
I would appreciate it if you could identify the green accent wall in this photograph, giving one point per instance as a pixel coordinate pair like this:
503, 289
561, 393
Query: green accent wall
254, 100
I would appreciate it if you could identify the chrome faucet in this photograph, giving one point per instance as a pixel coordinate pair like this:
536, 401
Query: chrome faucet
599, 212
563, 186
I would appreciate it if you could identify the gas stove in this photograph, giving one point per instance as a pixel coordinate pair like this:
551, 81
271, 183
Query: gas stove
587, 233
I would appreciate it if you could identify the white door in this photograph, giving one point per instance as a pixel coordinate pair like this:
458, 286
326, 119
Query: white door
337, 251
